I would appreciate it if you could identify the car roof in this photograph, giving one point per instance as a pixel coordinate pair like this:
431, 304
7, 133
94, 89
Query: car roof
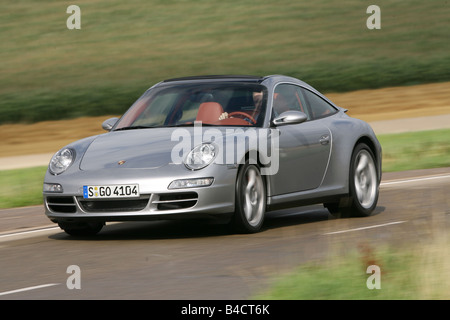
269, 80
219, 78
238, 78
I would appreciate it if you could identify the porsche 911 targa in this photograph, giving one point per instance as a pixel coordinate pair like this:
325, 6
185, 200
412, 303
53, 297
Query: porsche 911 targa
232, 147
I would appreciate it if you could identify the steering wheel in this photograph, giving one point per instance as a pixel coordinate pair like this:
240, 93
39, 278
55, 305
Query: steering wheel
239, 113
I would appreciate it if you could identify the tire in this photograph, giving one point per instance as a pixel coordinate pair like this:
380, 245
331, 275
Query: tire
81, 229
363, 183
250, 198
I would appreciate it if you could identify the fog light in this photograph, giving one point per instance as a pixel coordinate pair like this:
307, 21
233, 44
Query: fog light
53, 187
191, 183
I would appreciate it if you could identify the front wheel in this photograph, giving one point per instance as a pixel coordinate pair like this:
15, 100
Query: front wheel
250, 204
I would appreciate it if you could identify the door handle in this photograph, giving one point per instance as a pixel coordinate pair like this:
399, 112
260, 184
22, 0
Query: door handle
325, 139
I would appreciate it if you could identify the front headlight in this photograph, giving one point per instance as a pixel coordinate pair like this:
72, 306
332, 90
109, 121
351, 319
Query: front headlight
201, 156
61, 161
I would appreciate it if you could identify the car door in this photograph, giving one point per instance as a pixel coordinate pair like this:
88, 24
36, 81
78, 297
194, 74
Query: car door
304, 148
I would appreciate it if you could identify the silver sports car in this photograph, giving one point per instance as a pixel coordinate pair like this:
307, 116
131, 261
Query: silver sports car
216, 146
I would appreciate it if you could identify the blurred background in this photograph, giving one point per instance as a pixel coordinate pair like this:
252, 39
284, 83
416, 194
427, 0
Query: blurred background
49, 72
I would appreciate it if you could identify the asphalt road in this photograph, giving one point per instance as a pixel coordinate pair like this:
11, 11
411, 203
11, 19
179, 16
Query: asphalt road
185, 260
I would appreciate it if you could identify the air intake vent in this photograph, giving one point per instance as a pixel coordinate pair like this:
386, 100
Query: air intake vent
116, 205
173, 201
61, 204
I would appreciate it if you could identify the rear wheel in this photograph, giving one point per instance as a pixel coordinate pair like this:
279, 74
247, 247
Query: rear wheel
250, 200
81, 228
363, 185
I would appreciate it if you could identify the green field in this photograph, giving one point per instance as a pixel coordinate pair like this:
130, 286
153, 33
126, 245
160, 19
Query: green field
415, 150
21, 187
50, 72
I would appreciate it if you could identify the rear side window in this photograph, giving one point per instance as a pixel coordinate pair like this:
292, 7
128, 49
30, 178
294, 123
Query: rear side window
318, 106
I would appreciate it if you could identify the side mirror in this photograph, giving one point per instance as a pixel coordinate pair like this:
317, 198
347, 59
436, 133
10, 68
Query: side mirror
290, 117
109, 124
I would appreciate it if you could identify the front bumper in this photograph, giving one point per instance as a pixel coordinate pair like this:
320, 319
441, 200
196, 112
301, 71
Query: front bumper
156, 201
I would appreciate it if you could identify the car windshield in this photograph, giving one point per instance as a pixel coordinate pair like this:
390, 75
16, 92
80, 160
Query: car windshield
217, 104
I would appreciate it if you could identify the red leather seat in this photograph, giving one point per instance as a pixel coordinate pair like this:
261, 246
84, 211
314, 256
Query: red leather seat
209, 112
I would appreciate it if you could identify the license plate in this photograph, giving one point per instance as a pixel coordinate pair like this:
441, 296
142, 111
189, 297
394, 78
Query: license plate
114, 191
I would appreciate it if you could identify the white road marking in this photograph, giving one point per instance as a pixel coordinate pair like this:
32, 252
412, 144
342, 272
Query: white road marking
15, 234
365, 228
387, 183
29, 288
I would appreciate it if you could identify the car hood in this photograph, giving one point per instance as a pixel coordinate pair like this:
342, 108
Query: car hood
154, 148
143, 148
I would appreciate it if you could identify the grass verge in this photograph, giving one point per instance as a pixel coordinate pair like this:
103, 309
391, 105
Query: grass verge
415, 150
21, 187
404, 151
417, 272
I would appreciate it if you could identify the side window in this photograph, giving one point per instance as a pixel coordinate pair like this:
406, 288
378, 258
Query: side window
288, 97
319, 107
